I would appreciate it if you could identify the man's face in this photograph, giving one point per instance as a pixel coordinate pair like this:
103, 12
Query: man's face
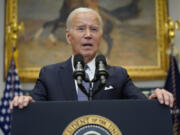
85, 34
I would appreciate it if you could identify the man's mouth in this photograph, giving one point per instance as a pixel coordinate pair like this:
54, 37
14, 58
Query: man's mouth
87, 44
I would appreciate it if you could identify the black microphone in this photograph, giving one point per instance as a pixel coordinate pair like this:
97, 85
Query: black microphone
101, 64
79, 72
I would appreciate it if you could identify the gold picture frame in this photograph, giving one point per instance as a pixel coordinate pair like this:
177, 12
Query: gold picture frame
137, 72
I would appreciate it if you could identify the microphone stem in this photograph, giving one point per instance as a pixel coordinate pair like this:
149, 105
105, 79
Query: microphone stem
90, 91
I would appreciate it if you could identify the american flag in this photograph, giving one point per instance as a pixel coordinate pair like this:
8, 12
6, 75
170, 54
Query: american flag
172, 84
12, 88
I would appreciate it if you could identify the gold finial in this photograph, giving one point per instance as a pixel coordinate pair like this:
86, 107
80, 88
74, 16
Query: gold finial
14, 29
172, 26
171, 29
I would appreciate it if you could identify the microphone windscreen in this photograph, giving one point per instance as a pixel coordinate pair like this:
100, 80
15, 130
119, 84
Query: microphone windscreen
78, 58
99, 58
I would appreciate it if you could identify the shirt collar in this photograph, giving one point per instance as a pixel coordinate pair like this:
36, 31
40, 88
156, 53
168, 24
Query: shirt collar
91, 65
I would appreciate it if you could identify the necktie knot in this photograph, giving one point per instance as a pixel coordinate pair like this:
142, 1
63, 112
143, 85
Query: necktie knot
86, 67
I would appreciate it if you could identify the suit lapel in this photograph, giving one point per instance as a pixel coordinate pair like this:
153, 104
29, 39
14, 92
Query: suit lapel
68, 83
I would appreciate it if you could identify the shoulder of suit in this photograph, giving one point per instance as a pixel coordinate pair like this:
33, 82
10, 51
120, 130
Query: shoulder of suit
54, 66
118, 71
58, 65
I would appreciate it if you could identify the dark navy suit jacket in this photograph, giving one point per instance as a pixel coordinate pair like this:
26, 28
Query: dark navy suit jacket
56, 82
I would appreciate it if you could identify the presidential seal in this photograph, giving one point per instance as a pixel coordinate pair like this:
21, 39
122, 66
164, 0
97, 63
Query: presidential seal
92, 125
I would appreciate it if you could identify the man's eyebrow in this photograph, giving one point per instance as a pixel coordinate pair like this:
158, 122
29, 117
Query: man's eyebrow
78, 25
83, 25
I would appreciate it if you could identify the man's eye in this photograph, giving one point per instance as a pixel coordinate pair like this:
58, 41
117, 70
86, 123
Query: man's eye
94, 29
80, 28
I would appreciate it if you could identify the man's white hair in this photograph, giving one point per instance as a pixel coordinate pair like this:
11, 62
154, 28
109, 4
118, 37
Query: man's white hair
80, 10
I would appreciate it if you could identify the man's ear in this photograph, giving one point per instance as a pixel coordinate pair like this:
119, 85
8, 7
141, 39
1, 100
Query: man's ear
68, 37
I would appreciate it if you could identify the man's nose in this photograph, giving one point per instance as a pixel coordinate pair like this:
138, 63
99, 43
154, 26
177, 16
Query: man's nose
88, 33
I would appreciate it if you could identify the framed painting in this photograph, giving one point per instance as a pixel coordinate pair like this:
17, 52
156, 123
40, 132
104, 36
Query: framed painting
135, 35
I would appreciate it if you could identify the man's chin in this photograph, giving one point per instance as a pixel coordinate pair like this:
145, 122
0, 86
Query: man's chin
88, 57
